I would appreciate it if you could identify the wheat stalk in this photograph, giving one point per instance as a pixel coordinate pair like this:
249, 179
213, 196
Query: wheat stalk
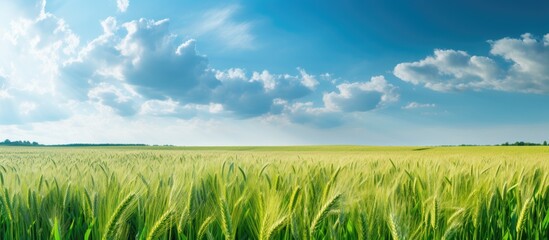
323, 213
363, 227
522, 217
393, 227
188, 210
276, 226
118, 214
293, 198
267, 233
434, 213
162, 225
226, 221
7, 206
204, 227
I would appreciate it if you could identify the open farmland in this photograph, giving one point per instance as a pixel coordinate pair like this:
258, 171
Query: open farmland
274, 193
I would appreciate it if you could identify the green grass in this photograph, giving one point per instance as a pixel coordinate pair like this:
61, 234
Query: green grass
311, 192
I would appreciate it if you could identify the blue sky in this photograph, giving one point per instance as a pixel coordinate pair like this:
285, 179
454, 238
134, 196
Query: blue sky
274, 72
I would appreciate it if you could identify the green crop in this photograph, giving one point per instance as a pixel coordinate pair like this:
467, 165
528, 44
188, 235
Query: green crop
328, 192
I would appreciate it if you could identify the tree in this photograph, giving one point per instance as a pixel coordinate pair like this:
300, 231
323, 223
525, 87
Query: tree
544, 143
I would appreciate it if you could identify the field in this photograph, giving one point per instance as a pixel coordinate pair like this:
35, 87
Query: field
274, 193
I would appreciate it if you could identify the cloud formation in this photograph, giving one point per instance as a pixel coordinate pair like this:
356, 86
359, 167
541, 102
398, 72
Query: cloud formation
141, 68
451, 70
352, 97
306, 113
415, 105
135, 66
220, 23
122, 5
143, 60
361, 96
259, 94
20, 107
31, 46
529, 58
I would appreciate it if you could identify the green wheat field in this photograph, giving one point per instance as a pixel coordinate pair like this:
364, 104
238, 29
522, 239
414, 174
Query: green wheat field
339, 192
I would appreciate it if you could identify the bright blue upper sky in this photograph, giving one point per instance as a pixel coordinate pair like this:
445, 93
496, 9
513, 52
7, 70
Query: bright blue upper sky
274, 72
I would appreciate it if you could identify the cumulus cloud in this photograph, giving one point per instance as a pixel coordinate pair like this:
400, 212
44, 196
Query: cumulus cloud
351, 97
306, 113
122, 5
529, 57
174, 109
122, 99
31, 49
159, 107
142, 60
256, 95
158, 67
414, 105
232, 73
307, 80
245, 98
266, 78
361, 96
266, 94
32, 44
451, 70
141, 68
146, 57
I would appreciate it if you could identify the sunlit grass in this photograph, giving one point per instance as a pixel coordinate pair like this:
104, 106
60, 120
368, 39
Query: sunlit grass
335, 192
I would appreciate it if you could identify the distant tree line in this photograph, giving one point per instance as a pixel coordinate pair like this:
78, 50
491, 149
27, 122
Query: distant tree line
100, 145
7, 142
521, 143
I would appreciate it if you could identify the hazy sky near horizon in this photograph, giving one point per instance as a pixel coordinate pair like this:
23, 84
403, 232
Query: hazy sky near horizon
274, 72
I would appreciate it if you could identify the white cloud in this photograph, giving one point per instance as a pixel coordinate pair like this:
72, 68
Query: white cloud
307, 114
334, 110
361, 96
307, 80
212, 108
108, 127
25, 108
221, 24
18, 107
268, 80
414, 105
451, 70
31, 50
231, 74
530, 63
215, 108
141, 69
122, 5
145, 55
256, 95
33, 42
159, 107
121, 98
